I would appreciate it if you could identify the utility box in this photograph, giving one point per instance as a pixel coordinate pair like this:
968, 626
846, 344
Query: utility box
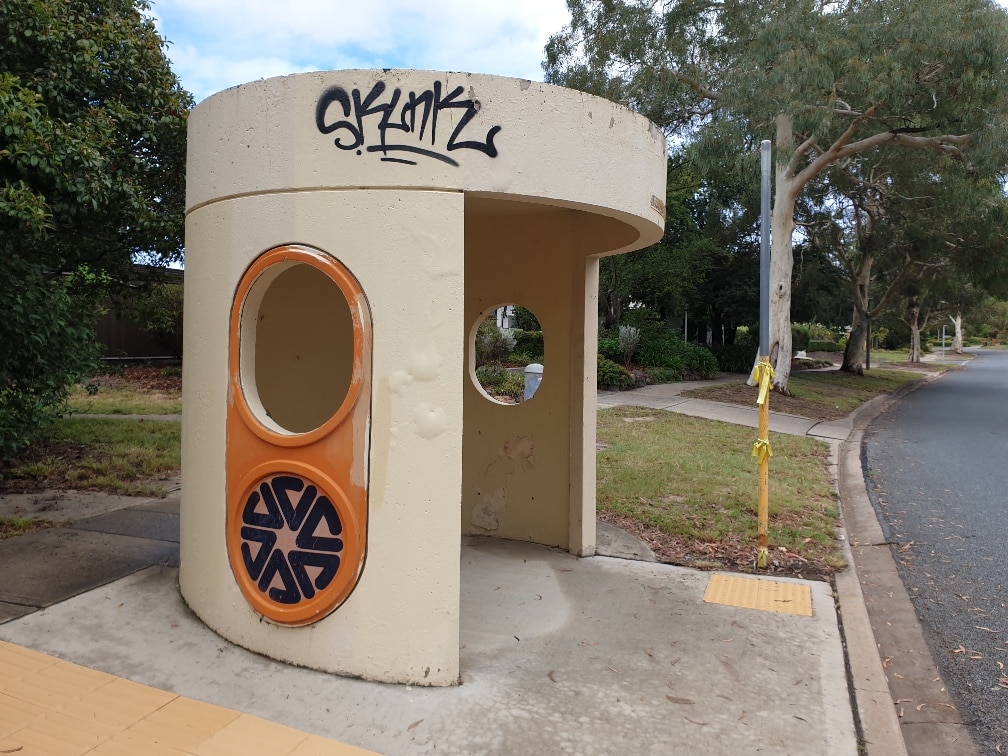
346, 234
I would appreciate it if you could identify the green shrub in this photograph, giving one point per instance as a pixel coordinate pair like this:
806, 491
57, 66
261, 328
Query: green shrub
158, 311
492, 344
629, 339
662, 375
895, 339
661, 347
610, 375
528, 344
48, 337
800, 336
609, 345
664, 348
523, 319
821, 332
497, 381
642, 318
734, 358
701, 362
747, 336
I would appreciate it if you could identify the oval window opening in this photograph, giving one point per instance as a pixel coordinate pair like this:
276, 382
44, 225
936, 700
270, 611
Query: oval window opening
298, 325
507, 351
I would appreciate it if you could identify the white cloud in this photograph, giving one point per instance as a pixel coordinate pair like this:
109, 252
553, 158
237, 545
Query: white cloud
216, 44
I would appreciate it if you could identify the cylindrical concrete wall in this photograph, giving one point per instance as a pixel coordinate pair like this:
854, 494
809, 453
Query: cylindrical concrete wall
440, 195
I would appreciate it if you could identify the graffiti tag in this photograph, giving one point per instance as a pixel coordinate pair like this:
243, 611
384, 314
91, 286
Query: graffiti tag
351, 115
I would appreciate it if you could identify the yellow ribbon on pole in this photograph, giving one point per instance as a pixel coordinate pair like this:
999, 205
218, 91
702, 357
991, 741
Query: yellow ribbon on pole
762, 451
763, 374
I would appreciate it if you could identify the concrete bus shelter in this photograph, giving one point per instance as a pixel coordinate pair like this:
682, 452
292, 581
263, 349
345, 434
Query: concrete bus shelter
346, 234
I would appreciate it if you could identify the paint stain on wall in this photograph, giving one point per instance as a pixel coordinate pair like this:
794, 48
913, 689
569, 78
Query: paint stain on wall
520, 450
486, 514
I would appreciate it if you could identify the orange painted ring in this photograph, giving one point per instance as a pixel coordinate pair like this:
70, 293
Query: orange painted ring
351, 559
293, 253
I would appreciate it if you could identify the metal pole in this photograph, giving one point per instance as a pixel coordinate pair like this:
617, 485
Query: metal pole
761, 449
764, 277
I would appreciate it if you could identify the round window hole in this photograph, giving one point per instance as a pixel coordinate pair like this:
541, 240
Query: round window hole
507, 354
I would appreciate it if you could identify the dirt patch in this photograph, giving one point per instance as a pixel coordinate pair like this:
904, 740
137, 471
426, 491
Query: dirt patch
730, 554
37, 455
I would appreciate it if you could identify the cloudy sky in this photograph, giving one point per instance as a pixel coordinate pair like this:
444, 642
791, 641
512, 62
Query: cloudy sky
216, 44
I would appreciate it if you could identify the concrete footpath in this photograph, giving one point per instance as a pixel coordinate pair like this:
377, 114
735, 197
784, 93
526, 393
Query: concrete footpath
605, 655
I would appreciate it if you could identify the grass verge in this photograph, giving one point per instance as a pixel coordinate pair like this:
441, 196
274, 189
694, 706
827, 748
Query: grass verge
139, 389
687, 486
114, 400
119, 456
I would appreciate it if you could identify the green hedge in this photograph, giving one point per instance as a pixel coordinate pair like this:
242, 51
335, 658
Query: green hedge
823, 346
663, 348
734, 358
529, 344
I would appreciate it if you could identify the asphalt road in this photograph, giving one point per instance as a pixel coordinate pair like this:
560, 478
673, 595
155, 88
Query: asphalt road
936, 465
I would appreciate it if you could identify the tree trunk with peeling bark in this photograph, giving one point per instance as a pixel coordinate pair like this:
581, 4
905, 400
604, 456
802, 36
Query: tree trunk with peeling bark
957, 340
781, 266
857, 341
857, 345
915, 335
787, 187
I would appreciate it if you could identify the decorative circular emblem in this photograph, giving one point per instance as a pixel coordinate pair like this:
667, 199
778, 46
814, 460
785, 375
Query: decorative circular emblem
290, 549
291, 537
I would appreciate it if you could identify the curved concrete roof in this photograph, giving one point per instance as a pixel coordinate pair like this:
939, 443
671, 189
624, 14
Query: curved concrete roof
493, 138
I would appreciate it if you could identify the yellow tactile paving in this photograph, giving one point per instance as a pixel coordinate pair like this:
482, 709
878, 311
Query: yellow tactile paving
21, 661
247, 735
52, 707
759, 593
119, 704
184, 723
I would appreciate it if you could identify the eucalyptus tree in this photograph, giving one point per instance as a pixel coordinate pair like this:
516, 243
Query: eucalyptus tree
92, 176
922, 300
966, 301
828, 81
666, 276
887, 222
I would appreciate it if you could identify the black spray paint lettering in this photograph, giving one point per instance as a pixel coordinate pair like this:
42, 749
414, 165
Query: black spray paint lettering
415, 114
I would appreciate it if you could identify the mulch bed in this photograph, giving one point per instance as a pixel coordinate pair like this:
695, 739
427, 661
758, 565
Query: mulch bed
161, 379
740, 393
732, 555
